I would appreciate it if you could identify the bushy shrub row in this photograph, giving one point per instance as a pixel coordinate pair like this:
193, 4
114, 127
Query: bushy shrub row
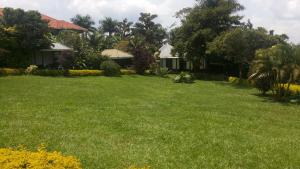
71, 73
85, 73
11, 72
22, 158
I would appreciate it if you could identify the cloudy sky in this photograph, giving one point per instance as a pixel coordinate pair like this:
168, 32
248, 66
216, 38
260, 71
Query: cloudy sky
281, 15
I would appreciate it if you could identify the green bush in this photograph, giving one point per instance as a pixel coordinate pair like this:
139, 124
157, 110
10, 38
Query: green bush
110, 68
263, 82
50, 72
11, 72
85, 73
183, 77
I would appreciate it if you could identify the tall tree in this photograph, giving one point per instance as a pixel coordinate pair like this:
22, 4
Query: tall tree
201, 24
32, 34
153, 33
124, 28
108, 25
84, 21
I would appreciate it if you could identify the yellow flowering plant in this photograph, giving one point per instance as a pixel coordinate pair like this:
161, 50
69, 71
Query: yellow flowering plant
41, 159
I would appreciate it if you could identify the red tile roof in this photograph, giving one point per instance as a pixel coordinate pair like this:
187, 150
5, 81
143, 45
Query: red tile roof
58, 24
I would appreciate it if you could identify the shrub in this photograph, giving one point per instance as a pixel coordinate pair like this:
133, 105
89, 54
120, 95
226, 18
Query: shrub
50, 72
110, 68
127, 72
11, 72
183, 77
21, 158
85, 73
263, 82
31, 69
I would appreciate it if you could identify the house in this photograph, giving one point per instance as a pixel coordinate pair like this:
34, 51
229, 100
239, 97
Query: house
168, 60
58, 25
124, 59
56, 56
57, 53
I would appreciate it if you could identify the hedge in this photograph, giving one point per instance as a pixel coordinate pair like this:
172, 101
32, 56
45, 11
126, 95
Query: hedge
11, 72
68, 73
85, 73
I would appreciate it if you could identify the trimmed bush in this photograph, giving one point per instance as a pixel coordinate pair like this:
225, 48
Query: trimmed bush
85, 73
50, 72
110, 68
11, 72
237, 81
127, 72
21, 158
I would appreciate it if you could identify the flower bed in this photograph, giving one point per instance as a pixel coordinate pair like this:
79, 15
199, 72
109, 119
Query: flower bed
22, 158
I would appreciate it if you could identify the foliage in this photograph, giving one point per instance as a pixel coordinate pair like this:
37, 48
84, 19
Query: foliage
143, 57
110, 68
238, 81
108, 25
84, 21
124, 29
183, 77
11, 72
31, 69
22, 158
201, 24
22, 34
239, 45
47, 72
85, 73
152, 33
279, 63
127, 72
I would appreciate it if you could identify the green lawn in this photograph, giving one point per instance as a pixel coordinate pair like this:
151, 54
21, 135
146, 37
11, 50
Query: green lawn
112, 123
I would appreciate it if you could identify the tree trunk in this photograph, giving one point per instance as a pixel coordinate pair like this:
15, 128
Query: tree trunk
240, 72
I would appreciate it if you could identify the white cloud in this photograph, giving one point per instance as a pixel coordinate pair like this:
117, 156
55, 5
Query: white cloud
282, 16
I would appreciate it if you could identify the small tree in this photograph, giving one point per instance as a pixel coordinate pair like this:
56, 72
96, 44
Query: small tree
278, 64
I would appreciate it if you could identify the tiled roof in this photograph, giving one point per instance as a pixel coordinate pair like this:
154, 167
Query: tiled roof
58, 24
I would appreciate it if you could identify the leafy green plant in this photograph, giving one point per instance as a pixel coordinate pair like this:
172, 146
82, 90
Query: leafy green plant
110, 68
183, 77
31, 69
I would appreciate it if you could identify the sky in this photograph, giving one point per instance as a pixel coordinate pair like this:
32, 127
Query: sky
283, 16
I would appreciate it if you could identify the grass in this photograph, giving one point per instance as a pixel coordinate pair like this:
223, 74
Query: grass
112, 123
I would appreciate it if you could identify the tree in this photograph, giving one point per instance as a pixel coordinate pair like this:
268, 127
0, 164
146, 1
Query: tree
84, 21
124, 28
278, 63
239, 45
108, 25
143, 57
201, 24
153, 33
31, 34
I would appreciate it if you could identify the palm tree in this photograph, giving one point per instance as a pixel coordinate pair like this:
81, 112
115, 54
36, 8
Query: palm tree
108, 25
